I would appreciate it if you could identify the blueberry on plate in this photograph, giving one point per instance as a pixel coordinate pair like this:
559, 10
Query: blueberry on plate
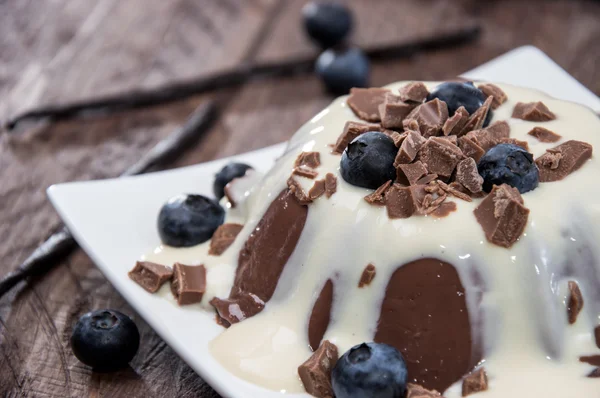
340, 70
457, 94
368, 162
508, 164
106, 340
226, 175
370, 370
188, 220
326, 22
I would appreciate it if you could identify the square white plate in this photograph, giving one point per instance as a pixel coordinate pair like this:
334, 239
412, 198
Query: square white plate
114, 220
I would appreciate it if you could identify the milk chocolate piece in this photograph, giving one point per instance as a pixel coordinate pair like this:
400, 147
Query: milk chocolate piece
367, 276
411, 125
426, 180
320, 316
317, 189
514, 141
365, 102
298, 192
393, 111
453, 190
223, 238
476, 120
593, 360
408, 174
315, 373
377, 198
189, 283
468, 176
150, 276
502, 215
403, 202
533, 112
440, 156
454, 125
490, 136
430, 116
444, 209
305, 172
499, 96
396, 136
416, 391
544, 135
409, 148
562, 160
475, 382
415, 92
450, 138
351, 131
597, 336
470, 148
434, 339
330, 184
575, 303
309, 159
243, 306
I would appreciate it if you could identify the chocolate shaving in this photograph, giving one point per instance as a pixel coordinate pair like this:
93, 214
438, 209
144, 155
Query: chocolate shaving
296, 189
476, 120
415, 92
315, 373
454, 192
544, 135
367, 276
408, 174
560, 161
456, 123
430, 116
377, 198
351, 131
330, 184
416, 391
575, 302
189, 283
317, 189
365, 102
150, 276
223, 238
308, 159
409, 148
468, 176
470, 148
393, 111
475, 382
440, 156
234, 310
499, 96
533, 112
305, 172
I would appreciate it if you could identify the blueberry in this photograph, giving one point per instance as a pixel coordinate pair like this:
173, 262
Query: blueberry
226, 174
326, 22
457, 94
508, 164
340, 70
370, 370
188, 220
368, 161
106, 340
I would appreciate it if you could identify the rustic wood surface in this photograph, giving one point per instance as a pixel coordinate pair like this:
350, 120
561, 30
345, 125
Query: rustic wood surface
60, 50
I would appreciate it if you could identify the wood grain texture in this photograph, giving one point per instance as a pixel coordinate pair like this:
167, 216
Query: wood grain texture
68, 49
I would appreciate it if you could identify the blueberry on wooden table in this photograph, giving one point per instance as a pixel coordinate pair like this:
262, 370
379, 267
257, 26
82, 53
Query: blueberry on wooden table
370, 370
106, 340
368, 162
457, 94
327, 22
188, 220
226, 175
342, 69
508, 164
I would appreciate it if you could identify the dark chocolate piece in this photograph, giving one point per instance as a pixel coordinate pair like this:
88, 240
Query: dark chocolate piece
575, 302
476, 120
351, 131
544, 135
223, 238
309, 159
455, 124
408, 174
315, 373
317, 189
150, 276
468, 176
189, 283
409, 148
562, 160
367, 276
477, 381
415, 92
498, 95
533, 112
377, 198
330, 184
430, 116
320, 316
440, 156
365, 102
416, 391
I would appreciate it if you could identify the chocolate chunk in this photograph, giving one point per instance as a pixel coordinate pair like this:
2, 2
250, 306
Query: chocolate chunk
416, 391
409, 148
367, 276
454, 191
470, 148
309, 159
150, 276
456, 123
593, 360
440, 156
411, 125
234, 310
430, 116
320, 316
377, 198
476, 120
317, 189
450, 138
475, 382
223, 238
315, 373
444, 210
533, 112
403, 202
415, 92
575, 302
468, 176
499, 96
189, 283
365, 102
514, 141
330, 184
408, 174
351, 131
393, 111
305, 172
298, 192
594, 374
490, 136
502, 215
597, 336
498, 130
544, 135
426, 180
562, 160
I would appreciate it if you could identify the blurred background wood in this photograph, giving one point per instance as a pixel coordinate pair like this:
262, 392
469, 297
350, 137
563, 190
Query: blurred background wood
62, 50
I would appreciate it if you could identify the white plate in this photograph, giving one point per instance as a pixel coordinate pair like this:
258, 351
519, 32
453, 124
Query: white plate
114, 220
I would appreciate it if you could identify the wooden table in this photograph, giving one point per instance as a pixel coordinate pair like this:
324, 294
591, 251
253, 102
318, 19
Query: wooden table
61, 50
